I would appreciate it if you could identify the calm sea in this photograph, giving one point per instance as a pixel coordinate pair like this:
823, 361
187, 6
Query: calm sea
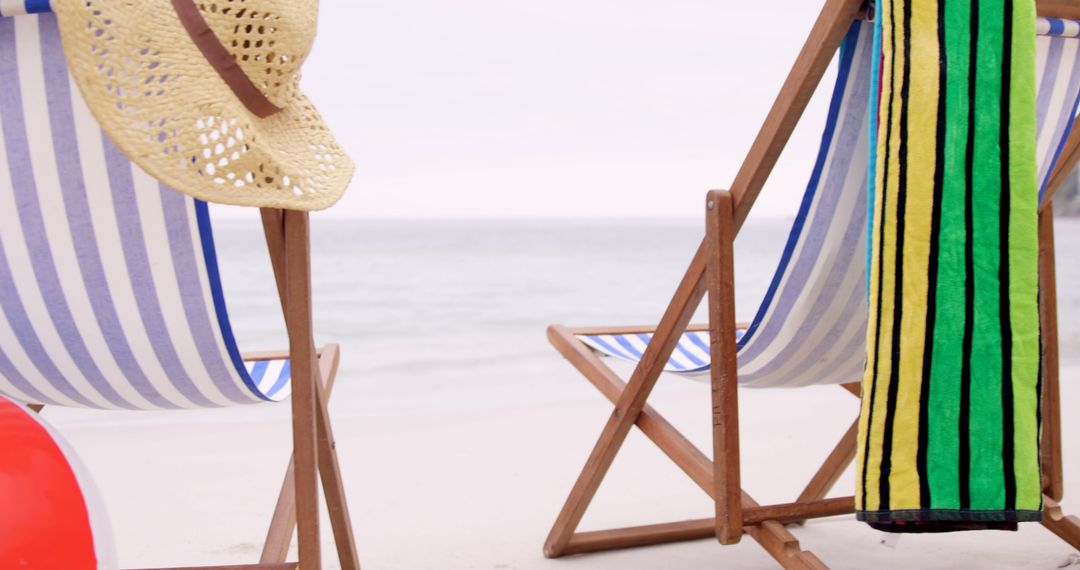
422, 306
437, 313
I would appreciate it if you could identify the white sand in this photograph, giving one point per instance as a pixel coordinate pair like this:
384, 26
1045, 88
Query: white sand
438, 483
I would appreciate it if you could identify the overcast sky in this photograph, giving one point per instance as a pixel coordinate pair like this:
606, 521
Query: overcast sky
561, 108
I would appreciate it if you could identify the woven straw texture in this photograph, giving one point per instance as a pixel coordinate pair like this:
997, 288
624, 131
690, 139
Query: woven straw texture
166, 107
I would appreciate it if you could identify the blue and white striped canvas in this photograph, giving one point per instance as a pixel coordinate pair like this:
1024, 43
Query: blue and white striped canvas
691, 355
811, 326
1058, 28
110, 295
271, 377
23, 7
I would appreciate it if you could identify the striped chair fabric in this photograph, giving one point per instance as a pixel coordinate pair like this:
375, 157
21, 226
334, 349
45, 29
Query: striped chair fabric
811, 326
23, 7
110, 295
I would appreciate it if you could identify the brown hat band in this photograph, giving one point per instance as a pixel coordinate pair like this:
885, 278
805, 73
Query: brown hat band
222, 61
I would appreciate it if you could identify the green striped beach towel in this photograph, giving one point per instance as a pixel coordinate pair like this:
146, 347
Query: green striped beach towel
949, 430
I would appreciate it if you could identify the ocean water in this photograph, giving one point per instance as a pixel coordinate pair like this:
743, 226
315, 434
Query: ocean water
439, 314
460, 308
424, 308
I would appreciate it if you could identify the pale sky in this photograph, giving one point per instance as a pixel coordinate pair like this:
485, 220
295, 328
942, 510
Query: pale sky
561, 108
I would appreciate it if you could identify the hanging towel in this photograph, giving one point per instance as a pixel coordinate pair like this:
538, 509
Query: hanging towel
949, 426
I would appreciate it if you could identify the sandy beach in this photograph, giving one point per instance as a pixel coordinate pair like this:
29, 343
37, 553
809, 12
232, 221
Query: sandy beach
461, 439
452, 486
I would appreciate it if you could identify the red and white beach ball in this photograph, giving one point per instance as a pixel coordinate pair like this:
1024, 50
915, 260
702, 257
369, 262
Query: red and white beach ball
51, 516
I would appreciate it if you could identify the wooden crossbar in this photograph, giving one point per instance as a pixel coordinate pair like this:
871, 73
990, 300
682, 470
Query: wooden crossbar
1065, 9
648, 535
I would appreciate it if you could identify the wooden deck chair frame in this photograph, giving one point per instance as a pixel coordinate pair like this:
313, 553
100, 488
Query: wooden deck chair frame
711, 271
312, 375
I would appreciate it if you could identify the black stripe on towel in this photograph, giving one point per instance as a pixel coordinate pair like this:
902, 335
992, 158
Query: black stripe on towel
898, 289
1007, 427
932, 269
883, 190
964, 459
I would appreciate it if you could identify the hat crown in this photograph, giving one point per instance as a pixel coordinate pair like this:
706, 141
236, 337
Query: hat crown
269, 39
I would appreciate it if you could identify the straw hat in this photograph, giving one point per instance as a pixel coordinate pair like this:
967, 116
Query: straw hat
204, 95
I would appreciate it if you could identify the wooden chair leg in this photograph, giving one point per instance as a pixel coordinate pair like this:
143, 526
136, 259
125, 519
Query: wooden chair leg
298, 320
288, 242
1067, 527
283, 523
279, 537
720, 235
1050, 447
784, 547
333, 486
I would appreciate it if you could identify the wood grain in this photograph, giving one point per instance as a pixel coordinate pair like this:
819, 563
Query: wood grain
1067, 9
1066, 527
333, 485
724, 373
298, 320
1050, 448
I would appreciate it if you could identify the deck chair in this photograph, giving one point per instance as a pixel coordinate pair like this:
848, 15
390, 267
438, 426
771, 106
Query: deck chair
110, 294
811, 325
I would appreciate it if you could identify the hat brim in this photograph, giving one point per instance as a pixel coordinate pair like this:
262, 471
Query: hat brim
164, 105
